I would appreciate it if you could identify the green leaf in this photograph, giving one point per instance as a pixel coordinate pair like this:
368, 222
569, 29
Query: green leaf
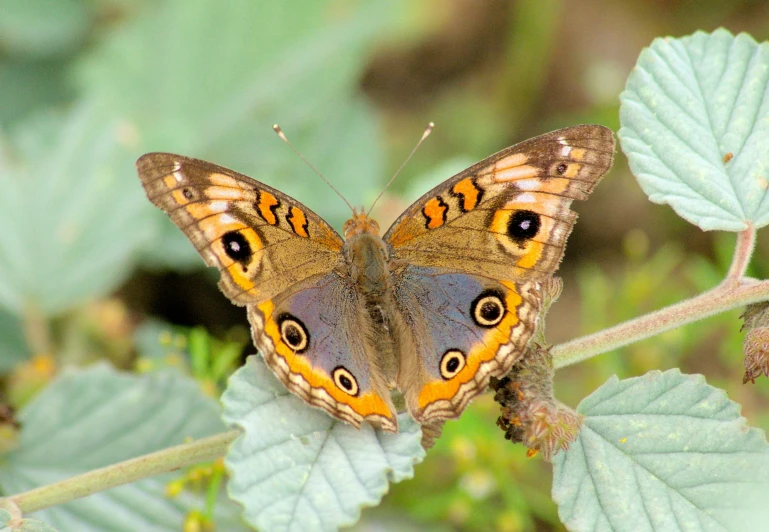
43, 28
296, 468
69, 211
688, 104
221, 66
25, 525
91, 418
664, 451
29, 86
13, 346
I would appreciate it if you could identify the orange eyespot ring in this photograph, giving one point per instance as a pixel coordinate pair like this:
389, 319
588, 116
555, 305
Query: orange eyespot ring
452, 362
345, 381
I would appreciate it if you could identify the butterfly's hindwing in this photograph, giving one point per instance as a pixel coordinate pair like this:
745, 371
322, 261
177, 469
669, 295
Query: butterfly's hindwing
466, 329
314, 338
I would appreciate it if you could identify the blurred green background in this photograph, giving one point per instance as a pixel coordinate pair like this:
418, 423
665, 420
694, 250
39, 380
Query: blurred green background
87, 86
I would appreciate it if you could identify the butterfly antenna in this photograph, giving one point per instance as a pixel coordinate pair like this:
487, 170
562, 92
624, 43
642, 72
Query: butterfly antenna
427, 132
282, 135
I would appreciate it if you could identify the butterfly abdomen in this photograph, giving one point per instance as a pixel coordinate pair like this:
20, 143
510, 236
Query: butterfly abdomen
368, 271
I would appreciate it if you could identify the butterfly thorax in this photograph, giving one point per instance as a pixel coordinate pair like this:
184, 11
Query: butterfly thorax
366, 257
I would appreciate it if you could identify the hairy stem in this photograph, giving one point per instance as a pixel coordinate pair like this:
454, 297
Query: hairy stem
746, 241
163, 461
726, 296
734, 291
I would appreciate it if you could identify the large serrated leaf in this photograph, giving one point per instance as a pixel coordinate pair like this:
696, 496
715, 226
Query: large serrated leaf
695, 128
664, 451
296, 468
69, 221
96, 417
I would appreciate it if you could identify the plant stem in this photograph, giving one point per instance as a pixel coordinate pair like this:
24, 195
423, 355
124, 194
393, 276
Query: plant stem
731, 293
163, 461
746, 241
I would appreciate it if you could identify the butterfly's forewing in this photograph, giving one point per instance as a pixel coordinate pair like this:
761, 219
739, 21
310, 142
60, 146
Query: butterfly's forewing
260, 239
507, 216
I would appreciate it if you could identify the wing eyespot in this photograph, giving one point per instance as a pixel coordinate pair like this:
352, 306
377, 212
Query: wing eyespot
523, 225
488, 309
345, 381
452, 362
293, 333
236, 246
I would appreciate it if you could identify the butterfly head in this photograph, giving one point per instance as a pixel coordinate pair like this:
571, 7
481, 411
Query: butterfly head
360, 223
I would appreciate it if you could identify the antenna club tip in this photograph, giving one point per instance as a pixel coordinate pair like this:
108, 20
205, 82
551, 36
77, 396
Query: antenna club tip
279, 131
428, 130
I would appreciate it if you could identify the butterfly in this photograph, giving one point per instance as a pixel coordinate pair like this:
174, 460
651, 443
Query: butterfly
443, 301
